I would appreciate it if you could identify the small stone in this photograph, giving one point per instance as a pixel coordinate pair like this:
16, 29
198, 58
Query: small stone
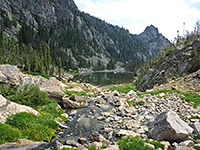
82, 140
150, 145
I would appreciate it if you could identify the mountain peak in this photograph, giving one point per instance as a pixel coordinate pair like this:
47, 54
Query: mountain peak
151, 28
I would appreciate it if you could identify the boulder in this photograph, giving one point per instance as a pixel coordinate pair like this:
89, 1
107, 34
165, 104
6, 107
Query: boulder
69, 104
8, 108
75, 144
54, 93
168, 126
10, 74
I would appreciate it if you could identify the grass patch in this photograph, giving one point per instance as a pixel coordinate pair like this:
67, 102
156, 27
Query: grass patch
36, 128
193, 97
124, 88
93, 147
82, 93
8, 133
140, 103
195, 117
197, 137
157, 144
132, 143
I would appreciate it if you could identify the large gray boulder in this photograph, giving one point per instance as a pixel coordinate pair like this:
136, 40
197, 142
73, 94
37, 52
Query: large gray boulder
8, 108
168, 126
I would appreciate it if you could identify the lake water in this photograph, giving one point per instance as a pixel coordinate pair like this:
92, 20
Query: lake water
105, 78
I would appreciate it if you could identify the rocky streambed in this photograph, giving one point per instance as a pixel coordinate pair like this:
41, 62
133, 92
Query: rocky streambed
109, 116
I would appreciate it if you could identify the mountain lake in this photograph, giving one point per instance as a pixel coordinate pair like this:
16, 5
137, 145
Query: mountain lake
104, 78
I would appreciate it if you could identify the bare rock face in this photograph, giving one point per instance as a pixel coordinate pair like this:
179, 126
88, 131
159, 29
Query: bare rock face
8, 108
168, 126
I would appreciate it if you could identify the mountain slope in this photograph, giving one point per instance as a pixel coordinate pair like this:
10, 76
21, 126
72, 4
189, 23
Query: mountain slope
177, 61
78, 39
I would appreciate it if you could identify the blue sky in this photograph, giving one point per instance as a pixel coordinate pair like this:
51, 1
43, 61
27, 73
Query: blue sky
135, 15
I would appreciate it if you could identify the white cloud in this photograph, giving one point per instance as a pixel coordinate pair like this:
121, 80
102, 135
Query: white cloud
135, 15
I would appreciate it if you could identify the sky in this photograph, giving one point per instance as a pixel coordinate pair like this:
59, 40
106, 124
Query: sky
135, 15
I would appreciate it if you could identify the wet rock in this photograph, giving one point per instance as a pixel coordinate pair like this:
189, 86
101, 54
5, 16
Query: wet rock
8, 108
168, 126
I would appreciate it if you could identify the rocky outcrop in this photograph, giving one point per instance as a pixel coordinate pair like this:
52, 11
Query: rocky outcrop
168, 126
154, 39
8, 108
175, 63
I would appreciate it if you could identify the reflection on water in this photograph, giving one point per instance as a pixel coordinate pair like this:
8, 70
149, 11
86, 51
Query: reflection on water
105, 78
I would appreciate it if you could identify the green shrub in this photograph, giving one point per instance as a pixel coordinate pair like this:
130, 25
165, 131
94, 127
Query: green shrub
93, 147
7, 90
197, 137
132, 143
41, 128
8, 133
197, 147
104, 146
29, 95
124, 89
195, 117
52, 108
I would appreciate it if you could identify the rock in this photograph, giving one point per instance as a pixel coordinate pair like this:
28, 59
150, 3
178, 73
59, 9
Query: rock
115, 93
168, 126
16, 146
131, 93
126, 133
82, 140
183, 148
187, 143
75, 144
68, 104
10, 74
54, 93
196, 127
24, 142
149, 145
112, 147
8, 108
97, 144
166, 144
53, 82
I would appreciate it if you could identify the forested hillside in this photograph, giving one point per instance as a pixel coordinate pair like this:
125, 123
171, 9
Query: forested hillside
45, 36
